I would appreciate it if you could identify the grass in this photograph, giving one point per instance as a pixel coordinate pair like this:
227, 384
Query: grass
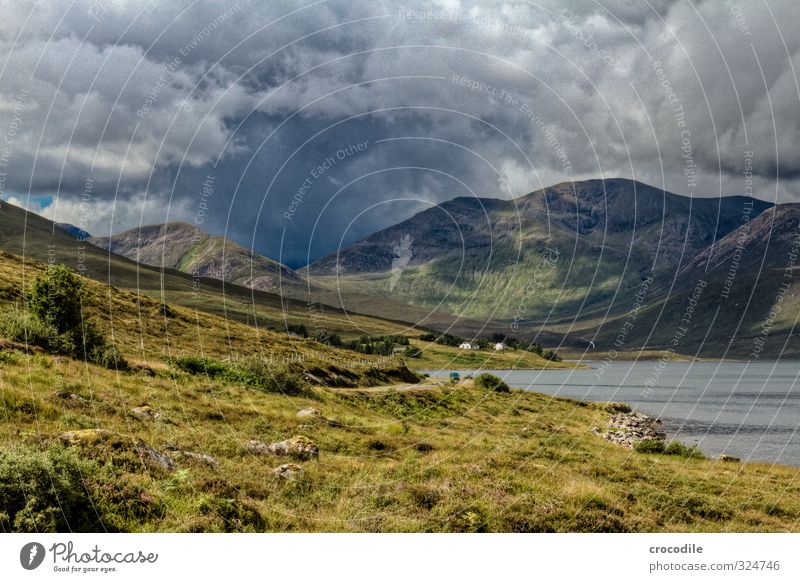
448, 458
438, 357
392, 458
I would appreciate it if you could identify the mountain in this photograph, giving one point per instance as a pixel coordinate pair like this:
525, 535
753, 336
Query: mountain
557, 254
186, 248
73, 230
37, 239
737, 298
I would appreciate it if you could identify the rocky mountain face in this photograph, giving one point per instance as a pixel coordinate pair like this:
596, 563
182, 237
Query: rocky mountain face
555, 253
182, 246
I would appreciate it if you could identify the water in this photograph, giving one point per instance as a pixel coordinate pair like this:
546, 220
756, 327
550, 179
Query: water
746, 410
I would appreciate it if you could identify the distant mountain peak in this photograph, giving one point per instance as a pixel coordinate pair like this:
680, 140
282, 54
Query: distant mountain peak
188, 248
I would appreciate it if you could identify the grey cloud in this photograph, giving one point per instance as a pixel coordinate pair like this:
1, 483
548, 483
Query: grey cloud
562, 90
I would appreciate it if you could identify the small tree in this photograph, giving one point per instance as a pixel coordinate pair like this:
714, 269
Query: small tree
56, 299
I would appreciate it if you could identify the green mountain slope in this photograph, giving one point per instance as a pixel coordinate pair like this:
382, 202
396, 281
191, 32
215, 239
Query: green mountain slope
554, 254
739, 297
182, 246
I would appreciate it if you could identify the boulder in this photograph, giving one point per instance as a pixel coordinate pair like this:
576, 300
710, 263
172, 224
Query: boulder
152, 457
729, 459
627, 428
288, 471
179, 454
115, 440
298, 447
145, 413
88, 436
308, 413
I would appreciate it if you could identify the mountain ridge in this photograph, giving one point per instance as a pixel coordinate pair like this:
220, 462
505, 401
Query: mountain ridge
189, 249
602, 230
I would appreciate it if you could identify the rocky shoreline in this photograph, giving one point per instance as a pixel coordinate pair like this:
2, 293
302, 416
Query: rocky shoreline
628, 428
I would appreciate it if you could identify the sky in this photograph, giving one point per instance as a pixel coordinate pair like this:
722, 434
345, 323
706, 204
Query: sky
295, 128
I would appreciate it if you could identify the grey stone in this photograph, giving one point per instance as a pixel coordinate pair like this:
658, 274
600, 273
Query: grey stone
298, 447
288, 471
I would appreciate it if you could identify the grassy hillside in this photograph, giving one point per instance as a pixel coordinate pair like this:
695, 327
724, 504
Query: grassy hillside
149, 331
554, 253
39, 240
438, 357
187, 248
739, 298
433, 459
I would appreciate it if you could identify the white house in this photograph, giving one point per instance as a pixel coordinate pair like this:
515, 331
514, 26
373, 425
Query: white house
469, 346
500, 346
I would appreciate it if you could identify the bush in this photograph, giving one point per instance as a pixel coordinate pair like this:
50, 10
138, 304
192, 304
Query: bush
255, 372
491, 382
659, 447
649, 446
54, 320
412, 352
22, 327
56, 299
45, 491
681, 450
249, 371
196, 365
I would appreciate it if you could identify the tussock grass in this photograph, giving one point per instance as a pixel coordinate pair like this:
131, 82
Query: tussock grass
448, 458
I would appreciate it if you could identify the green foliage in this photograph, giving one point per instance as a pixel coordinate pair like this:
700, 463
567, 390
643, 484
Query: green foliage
20, 326
551, 355
377, 345
445, 339
56, 299
656, 446
54, 321
649, 446
196, 365
412, 352
299, 329
681, 450
249, 371
45, 491
255, 372
491, 382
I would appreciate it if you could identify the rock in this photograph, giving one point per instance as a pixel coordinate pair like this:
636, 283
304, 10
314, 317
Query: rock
288, 471
75, 398
115, 440
179, 454
308, 413
257, 447
152, 457
729, 459
88, 436
299, 447
145, 413
627, 428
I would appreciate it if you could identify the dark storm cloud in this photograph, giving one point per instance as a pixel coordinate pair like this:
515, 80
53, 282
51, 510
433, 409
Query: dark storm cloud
144, 102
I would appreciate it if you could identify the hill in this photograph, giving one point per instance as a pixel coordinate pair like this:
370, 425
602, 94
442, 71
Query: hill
737, 298
36, 239
552, 254
187, 248
32, 239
